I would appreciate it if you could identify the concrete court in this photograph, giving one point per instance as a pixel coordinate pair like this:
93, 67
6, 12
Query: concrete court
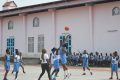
33, 72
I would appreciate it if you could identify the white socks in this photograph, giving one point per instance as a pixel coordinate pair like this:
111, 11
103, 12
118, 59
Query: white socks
66, 73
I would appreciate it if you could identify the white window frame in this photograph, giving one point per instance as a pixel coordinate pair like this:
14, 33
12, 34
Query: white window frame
10, 25
40, 43
31, 44
36, 22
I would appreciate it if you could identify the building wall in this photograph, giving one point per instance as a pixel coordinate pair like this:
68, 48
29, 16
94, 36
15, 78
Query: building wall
104, 22
88, 32
18, 33
77, 19
0, 37
46, 28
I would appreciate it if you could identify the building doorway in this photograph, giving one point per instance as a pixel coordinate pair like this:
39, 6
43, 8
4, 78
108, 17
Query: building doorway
10, 45
68, 41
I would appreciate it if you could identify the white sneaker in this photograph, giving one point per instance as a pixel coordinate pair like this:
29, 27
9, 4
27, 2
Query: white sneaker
52, 77
69, 74
65, 76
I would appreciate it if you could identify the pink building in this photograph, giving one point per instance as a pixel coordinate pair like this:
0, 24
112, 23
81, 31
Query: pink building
94, 26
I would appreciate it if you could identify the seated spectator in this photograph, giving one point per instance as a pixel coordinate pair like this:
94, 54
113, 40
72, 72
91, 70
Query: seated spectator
77, 58
91, 58
101, 60
109, 59
106, 60
80, 59
73, 59
96, 57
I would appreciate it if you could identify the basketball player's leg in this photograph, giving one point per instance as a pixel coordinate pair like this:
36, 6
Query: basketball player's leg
5, 76
22, 68
89, 70
84, 71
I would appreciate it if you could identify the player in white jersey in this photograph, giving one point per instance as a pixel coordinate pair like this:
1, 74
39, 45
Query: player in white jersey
114, 65
85, 62
52, 56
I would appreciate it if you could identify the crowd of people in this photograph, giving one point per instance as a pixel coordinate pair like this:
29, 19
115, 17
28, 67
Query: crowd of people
58, 57
95, 59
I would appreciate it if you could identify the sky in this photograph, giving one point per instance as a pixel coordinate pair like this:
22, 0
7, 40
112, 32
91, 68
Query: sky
21, 3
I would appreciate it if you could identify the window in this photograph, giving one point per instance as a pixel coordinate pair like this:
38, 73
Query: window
115, 11
10, 45
68, 42
30, 44
36, 22
10, 25
40, 43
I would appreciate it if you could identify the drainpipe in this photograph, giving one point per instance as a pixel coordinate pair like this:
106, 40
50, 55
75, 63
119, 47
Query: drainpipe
91, 21
53, 11
1, 21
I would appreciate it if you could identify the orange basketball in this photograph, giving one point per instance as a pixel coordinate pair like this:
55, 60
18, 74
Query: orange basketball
66, 28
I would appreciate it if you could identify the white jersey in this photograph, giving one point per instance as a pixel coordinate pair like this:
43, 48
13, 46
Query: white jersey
96, 57
56, 57
114, 60
101, 58
45, 58
91, 57
17, 58
52, 57
85, 55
